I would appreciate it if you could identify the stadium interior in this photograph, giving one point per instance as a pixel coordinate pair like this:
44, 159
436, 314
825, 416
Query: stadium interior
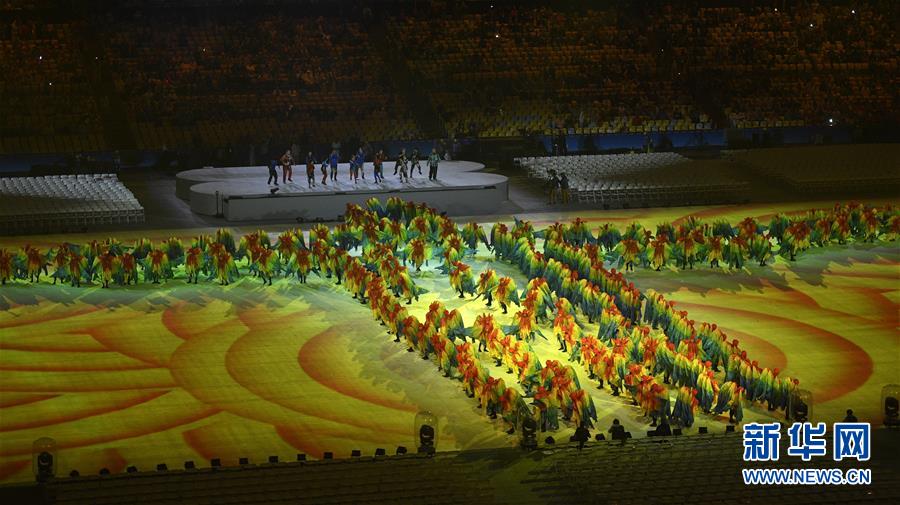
644, 229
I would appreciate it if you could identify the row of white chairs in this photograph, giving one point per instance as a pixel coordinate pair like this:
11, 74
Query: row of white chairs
597, 165
63, 202
638, 179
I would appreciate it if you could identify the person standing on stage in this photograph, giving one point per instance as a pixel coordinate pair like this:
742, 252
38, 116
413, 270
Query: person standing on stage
553, 186
310, 170
378, 162
286, 164
433, 161
273, 174
333, 163
325, 171
564, 188
354, 168
414, 162
361, 161
400, 165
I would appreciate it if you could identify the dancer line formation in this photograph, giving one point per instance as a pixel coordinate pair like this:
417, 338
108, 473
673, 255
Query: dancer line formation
644, 347
404, 167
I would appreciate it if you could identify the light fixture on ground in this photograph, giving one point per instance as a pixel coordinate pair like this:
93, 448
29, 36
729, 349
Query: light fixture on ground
890, 402
426, 432
528, 432
43, 459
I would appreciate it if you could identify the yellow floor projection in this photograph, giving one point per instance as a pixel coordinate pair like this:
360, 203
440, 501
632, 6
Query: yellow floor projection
151, 374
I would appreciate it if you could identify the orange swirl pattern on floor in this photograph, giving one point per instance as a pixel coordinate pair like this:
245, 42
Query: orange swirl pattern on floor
148, 374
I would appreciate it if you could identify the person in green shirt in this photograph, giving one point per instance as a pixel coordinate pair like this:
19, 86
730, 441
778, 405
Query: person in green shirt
433, 161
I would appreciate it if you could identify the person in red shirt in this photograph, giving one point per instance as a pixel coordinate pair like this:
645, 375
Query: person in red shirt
286, 162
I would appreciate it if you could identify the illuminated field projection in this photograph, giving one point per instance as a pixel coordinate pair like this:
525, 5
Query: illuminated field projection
149, 374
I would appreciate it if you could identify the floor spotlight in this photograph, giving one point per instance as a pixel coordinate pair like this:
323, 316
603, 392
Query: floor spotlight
104, 471
189, 465
549, 441
702, 430
426, 439
401, 450
729, 428
328, 455
74, 473
243, 461
43, 456
273, 459
131, 469
528, 432
355, 453
215, 463
380, 452
425, 432
162, 467
301, 457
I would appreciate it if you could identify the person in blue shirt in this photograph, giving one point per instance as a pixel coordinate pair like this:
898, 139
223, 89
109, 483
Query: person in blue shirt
333, 163
273, 175
361, 162
354, 169
324, 169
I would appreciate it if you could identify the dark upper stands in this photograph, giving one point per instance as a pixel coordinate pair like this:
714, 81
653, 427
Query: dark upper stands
215, 73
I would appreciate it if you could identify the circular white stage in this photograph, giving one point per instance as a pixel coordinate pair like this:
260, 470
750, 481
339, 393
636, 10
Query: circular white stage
242, 193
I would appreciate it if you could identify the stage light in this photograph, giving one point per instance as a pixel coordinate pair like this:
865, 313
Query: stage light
104, 471
74, 473
426, 439
43, 459
549, 441
355, 453
162, 467
273, 459
811, 25
401, 450
243, 461
676, 432
702, 430
328, 455
729, 428
189, 465
425, 432
51, 83
891, 406
131, 469
215, 463
599, 437
40, 58
301, 457
528, 430
380, 452
852, 11
496, 35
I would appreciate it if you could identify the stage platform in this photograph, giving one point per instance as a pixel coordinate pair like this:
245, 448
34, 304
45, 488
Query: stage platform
241, 193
